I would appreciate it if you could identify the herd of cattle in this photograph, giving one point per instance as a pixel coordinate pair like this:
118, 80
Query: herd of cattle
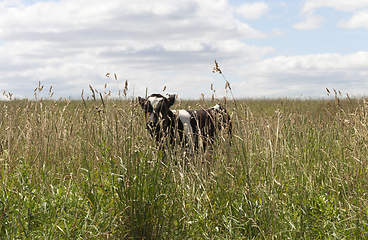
192, 128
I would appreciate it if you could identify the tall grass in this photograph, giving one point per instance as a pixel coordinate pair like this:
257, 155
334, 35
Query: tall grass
85, 169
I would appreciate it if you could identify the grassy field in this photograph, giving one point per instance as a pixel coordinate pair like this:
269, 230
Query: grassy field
294, 169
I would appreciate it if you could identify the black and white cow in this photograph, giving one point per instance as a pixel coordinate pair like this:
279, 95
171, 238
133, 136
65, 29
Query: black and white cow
193, 127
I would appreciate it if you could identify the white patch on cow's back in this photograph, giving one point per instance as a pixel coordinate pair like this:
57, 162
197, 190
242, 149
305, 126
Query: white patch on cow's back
155, 100
184, 117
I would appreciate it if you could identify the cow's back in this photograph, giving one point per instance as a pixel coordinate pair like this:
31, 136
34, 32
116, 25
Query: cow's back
200, 126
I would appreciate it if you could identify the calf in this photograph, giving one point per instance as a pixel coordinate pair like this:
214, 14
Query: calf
188, 126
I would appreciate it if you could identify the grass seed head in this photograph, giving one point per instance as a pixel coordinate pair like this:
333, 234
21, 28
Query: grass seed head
216, 68
126, 84
227, 85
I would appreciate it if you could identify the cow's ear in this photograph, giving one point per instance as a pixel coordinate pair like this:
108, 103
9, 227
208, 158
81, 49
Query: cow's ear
142, 101
171, 100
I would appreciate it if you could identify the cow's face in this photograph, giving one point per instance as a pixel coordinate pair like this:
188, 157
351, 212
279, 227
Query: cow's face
156, 109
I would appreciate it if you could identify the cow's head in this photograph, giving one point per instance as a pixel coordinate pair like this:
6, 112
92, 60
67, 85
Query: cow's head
156, 108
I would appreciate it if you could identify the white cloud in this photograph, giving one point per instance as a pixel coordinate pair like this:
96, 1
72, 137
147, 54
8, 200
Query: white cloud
162, 19
308, 75
311, 22
252, 10
72, 44
341, 5
359, 19
182, 46
237, 48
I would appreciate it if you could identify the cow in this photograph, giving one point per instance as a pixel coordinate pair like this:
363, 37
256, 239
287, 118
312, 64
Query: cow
187, 127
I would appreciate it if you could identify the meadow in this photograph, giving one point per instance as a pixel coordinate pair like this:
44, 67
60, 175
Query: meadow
88, 169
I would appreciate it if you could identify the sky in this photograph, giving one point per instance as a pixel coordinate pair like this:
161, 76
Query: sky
265, 49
